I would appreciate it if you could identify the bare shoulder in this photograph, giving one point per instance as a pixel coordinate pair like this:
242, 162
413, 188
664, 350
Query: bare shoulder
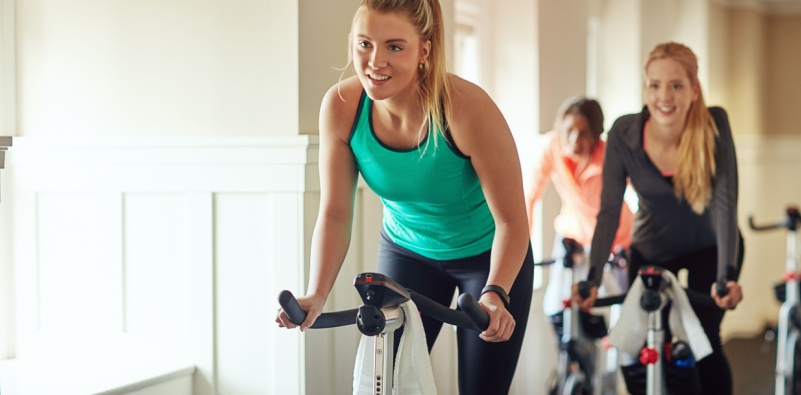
475, 121
466, 97
470, 107
339, 106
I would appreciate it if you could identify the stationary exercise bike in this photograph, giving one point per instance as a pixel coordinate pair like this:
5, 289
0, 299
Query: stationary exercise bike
577, 332
381, 314
788, 349
664, 367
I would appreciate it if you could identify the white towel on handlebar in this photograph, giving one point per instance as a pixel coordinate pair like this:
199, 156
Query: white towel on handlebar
413, 374
631, 330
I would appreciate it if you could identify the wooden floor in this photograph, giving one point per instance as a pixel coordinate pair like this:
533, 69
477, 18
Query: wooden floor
752, 362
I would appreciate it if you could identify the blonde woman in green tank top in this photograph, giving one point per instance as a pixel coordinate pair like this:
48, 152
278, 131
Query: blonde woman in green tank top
440, 154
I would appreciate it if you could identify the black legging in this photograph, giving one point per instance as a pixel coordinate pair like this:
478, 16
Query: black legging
701, 265
484, 368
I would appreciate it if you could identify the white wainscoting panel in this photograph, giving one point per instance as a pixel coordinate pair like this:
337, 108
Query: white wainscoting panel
167, 249
246, 229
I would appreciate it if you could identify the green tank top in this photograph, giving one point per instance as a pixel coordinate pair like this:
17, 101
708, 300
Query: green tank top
433, 202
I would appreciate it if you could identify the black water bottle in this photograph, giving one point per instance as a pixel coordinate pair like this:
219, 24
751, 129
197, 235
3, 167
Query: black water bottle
681, 354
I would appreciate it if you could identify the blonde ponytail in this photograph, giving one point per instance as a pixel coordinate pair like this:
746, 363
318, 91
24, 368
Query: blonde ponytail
695, 171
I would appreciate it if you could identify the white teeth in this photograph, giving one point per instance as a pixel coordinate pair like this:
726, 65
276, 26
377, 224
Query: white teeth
666, 109
379, 77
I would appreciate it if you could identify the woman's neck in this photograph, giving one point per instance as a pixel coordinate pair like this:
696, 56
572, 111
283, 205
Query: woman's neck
662, 136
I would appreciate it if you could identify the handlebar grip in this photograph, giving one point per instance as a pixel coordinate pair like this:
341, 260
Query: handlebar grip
721, 287
291, 307
545, 262
610, 300
326, 320
584, 289
777, 225
473, 310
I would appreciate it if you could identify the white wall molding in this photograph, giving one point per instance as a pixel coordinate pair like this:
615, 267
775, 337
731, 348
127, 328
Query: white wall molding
778, 149
6, 272
5, 142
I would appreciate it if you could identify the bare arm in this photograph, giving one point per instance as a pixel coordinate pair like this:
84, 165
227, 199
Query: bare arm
338, 177
480, 131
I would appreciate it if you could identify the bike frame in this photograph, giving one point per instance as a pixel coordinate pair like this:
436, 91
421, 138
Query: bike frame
653, 300
577, 363
788, 331
572, 341
382, 314
384, 350
571, 333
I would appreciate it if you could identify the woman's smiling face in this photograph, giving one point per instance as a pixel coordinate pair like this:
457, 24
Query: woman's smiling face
578, 140
387, 52
669, 93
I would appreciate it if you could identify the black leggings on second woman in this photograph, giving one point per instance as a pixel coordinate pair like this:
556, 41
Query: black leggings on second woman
701, 265
484, 368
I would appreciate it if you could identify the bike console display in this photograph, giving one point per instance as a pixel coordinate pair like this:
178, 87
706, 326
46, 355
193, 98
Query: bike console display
379, 290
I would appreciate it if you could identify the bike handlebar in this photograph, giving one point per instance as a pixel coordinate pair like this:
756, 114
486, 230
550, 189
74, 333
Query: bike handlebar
473, 310
695, 297
759, 228
609, 300
584, 289
700, 298
472, 317
326, 320
791, 221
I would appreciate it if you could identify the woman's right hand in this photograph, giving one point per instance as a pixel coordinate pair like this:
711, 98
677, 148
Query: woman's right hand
313, 306
584, 303
732, 298
502, 323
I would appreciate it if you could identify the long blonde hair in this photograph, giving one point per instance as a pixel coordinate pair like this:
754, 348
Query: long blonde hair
695, 171
433, 86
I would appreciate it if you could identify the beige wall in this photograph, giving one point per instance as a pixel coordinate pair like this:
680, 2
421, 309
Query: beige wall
746, 69
121, 68
182, 67
782, 103
319, 64
717, 88
755, 78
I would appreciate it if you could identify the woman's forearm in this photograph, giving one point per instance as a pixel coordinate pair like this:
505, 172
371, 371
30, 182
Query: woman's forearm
330, 243
509, 248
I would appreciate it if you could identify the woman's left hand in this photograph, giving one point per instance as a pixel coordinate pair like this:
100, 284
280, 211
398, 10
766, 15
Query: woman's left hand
731, 299
501, 324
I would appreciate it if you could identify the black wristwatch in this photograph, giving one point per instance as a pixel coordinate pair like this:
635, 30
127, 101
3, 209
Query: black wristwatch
498, 290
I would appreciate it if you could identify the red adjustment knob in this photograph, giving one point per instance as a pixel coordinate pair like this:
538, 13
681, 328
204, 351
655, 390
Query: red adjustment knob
792, 276
567, 303
648, 356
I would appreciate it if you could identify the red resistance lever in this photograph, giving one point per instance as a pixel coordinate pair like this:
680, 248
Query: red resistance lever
648, 356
